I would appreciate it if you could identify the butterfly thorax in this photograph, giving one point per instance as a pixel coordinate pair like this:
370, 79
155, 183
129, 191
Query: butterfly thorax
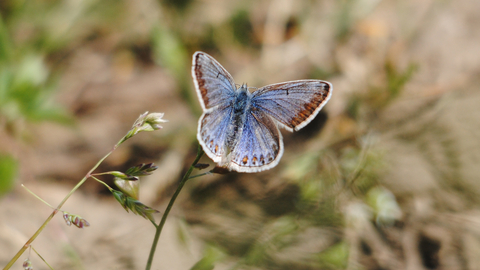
241, 105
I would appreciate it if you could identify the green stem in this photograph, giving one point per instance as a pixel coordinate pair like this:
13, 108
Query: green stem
36, 196
198, 175
169, 207
40, 256
101, 182
55, 211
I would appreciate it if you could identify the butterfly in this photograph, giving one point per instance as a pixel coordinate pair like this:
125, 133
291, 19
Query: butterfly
239, 129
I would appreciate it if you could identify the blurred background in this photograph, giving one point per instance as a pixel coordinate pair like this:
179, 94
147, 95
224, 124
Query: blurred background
385, 177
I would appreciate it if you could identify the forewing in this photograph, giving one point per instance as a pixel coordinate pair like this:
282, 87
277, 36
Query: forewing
214, 85
212, 129
259, 146
293, 104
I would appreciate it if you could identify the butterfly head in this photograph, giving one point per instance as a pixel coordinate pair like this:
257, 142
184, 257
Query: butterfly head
242, 87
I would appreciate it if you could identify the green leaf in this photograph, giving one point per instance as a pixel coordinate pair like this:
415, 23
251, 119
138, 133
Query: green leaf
335, 257
8, 173
210, 257
130, 188
5, 42
135, 206
168, 50
120, 197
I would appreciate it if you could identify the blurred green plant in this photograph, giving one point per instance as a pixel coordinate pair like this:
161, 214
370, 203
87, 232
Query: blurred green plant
8, 173
242, 28
368, 104
211, 256
35, 37
310, 235
25, 91
27, 94
169, 51
335, 257
384, 205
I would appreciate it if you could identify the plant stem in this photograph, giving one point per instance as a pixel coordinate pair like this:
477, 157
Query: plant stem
169, 207
101, 182
40, 256
201, 174
55, 211
36, 196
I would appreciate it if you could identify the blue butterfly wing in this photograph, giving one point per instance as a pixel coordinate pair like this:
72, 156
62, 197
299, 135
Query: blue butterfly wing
259, 146
293, 104
212, 130
216, 93
214, 85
